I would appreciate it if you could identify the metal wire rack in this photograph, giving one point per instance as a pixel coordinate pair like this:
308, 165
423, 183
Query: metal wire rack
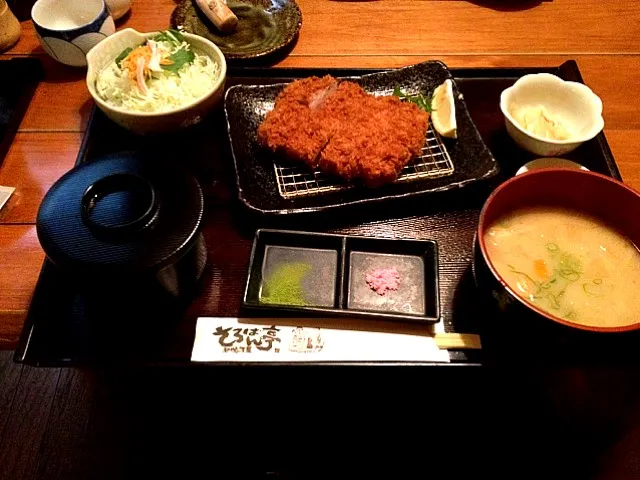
298, 181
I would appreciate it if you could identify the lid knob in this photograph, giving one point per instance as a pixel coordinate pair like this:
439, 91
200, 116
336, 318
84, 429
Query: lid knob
119, 205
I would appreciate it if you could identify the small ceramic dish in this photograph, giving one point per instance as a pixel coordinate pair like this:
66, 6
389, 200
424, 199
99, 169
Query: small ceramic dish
68, 30
9, 27
118, 8
153, 122
264, 27
572, 105
549, 162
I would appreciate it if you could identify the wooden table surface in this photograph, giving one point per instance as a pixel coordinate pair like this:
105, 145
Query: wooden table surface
601, 35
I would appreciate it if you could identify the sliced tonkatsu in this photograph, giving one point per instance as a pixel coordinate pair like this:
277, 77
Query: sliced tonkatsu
343, 130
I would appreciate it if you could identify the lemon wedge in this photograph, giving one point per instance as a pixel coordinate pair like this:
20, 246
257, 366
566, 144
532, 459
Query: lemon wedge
444, 110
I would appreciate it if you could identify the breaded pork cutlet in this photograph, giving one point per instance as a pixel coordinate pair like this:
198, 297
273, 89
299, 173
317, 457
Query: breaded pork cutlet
344, 130
295, 126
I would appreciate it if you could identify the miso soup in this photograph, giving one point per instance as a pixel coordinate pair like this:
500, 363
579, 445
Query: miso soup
568, 264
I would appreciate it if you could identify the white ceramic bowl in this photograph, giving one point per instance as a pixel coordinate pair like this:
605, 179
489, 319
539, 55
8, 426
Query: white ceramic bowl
68, 30
549, 162
145, 122
573, 103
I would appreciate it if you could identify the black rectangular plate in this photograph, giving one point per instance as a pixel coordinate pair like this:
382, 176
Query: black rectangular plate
246, 106
19, 78
58, 330
341, 294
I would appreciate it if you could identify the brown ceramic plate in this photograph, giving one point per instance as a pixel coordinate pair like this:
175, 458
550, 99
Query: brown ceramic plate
264, 26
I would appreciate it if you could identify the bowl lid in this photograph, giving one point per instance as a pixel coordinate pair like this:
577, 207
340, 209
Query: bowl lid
121, 213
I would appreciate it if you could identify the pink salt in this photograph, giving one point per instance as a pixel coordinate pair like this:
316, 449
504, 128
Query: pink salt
382, 279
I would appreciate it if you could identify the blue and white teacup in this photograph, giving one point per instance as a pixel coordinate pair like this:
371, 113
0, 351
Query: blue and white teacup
68, 29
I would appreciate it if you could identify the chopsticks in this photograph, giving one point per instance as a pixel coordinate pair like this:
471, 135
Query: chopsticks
444, 340
457, 341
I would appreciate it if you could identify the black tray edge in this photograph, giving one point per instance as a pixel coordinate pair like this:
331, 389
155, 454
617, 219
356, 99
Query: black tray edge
28, 88
86, 138
21, 352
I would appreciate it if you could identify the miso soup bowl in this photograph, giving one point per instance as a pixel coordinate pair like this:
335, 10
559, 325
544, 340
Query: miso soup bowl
592, 193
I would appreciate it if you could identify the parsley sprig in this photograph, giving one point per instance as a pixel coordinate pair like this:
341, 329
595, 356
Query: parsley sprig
423, 102
123, 55
180, 57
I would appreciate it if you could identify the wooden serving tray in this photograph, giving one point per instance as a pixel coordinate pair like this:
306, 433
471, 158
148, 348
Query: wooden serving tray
61, 330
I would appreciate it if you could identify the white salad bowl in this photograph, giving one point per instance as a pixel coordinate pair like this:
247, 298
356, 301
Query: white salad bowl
103, 54
574, 104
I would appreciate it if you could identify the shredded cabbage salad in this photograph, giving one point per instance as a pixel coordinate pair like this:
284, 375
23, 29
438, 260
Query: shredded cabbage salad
162, 74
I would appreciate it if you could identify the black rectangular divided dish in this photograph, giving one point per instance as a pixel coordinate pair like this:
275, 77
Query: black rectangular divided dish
331, 271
